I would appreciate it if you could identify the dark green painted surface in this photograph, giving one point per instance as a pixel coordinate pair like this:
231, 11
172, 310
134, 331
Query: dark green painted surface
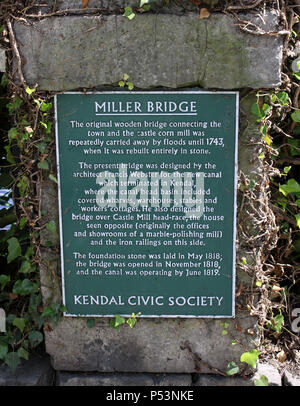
122, 258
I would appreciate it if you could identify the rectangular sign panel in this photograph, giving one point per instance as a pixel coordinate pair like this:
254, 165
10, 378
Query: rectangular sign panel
147, 202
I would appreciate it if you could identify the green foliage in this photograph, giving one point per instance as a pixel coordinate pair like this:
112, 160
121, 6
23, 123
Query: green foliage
35, 338
14, 105
260, 112
14, 249
20, 323
53, 312
261, 381
292, 186
4, 279
118, 320
53, 178
250, 357
225, 326
124, 82
12, 359
232, 369
128, 12
276, 323
20, 295
296, 116
131, 321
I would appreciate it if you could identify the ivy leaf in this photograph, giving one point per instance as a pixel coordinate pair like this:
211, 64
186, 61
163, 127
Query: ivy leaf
262, 381
117, 321
9, 155
128, 12
23, 353
296, 116
232, 369
250, 357
20, 323
30, 91
12, 359
292, 186
130, 85
43, 165
14, 105
35, 338
297, 216
283, 98
52, 177
25, 287
23, 185
14, 249
267, 139
276, 322
46, 106
255, 110
25, 267
131, 321
4, 279
12, 133
4, 81
3, 350
260, 113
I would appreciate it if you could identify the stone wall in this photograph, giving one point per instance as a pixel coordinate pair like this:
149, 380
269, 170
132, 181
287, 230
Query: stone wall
171, 48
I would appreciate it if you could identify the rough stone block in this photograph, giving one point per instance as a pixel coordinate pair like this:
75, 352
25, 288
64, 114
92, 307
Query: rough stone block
154, 49
153, 345
36, 371
92, 379
2, 60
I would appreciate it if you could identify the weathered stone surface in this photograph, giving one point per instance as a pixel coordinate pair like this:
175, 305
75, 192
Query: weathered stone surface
2, 60
46, 6
92, 379
49, 259
216, 380
153, 345
36, 371
290, 379
269, 371
154, 49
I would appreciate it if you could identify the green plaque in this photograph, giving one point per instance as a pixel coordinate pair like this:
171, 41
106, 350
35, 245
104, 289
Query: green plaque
147, 184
